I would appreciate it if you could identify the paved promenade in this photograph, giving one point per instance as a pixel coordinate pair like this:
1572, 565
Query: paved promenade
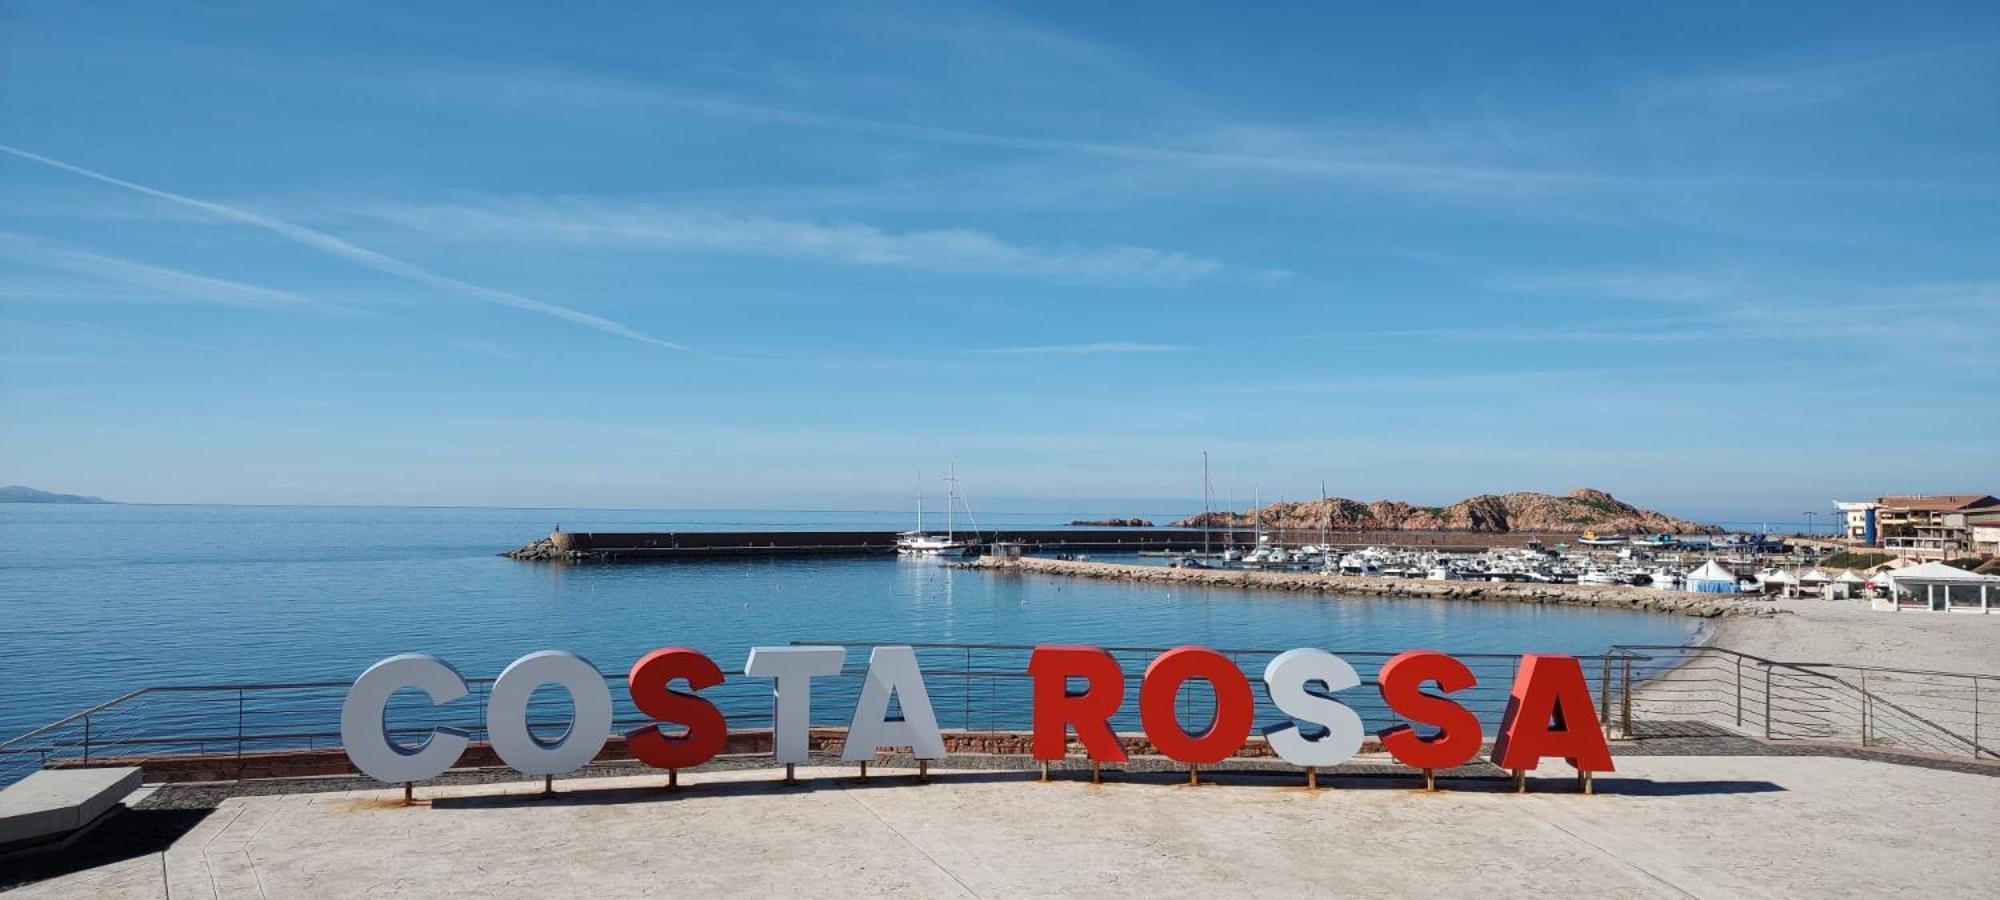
1663, 826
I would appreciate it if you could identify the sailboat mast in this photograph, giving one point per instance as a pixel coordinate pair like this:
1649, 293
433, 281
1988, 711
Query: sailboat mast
950, 495
920, 501
1207, 525
1326, 533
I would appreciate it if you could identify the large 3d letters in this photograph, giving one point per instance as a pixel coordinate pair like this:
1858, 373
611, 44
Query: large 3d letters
1089, 711
792, 670
893, 671
1549, 714
1285, 679
1235, 706
1402, 679
706, 729
507, 713
366, 736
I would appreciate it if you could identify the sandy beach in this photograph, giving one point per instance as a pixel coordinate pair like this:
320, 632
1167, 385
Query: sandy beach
1847, 632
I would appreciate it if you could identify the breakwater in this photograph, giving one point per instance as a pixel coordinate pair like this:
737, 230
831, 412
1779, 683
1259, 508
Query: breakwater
639, 546
642, 546
1645, 599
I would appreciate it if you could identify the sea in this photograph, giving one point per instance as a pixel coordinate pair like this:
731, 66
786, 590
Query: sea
96, 601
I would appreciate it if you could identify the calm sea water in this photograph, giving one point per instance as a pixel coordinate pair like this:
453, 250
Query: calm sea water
98, 600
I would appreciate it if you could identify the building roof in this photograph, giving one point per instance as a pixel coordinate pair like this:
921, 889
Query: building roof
1712, 571
1940, 502
1940, 573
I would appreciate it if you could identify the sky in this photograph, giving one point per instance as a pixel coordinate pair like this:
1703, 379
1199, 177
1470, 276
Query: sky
1726, 260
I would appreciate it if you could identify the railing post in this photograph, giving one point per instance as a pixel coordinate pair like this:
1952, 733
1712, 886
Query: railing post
1625, 701
1604, 695
1767, 701
1739, 692
1864, 708
1975, 717
239, 732
86, 739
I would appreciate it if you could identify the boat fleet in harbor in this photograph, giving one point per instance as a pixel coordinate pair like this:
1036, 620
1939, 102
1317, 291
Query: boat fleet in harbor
1647, 563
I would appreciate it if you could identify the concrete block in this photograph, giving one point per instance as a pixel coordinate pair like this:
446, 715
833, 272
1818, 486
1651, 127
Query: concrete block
54, 802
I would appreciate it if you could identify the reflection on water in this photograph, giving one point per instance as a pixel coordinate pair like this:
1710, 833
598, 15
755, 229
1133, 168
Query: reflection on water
100, 600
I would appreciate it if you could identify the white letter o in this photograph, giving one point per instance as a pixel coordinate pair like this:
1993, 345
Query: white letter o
507, 713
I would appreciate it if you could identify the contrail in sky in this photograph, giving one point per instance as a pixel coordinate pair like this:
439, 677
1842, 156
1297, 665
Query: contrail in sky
320, 240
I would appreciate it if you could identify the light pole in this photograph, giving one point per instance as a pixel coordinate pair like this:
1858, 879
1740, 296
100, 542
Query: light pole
1809, 514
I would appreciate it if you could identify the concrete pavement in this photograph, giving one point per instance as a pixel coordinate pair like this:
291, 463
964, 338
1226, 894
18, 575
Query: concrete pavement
1662, 826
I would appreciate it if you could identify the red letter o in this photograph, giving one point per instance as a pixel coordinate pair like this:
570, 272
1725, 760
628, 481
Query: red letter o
1235, 707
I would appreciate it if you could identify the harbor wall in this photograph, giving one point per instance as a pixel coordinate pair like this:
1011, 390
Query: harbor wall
637, 546
1616, 597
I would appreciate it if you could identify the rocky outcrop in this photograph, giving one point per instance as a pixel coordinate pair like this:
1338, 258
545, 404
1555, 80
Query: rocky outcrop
541, 550
1697, 605
1579, 510
1112, 523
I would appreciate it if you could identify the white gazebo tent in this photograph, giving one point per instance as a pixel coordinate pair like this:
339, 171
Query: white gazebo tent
1711, 578
1846, 584
1943, 588
1786, 582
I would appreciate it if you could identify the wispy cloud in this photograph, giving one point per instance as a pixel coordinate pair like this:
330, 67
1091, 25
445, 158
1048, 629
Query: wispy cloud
600, 224
380, 262
1658, 286
152, 278
482, 347
1812, 82
1106, 347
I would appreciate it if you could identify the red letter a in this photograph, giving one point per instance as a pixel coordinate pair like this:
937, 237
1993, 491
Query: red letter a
1550, 714
1057, 710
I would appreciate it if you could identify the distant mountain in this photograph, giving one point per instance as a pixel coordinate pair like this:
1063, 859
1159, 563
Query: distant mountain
1579, 510
15, 493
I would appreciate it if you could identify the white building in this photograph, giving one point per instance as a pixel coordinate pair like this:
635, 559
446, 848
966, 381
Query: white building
1940, 588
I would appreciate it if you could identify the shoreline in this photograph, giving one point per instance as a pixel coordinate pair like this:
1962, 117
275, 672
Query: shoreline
1701, 606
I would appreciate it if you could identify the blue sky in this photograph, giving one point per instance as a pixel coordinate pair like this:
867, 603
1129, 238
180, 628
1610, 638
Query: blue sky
1725, 260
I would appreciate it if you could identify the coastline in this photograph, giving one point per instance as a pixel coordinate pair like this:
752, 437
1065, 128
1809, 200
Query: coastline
1700, 606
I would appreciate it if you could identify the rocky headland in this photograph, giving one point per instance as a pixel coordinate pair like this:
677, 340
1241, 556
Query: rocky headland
1583, 509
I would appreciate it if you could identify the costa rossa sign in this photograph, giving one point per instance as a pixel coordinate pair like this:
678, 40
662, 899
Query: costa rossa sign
1549, 712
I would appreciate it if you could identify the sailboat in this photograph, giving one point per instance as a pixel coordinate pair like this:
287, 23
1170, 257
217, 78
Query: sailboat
923, 543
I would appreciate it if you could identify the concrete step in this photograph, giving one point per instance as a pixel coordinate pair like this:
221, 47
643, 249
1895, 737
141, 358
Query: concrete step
53, 803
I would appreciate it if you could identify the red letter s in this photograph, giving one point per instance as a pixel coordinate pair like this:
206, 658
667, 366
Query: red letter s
1402, 681
706, 729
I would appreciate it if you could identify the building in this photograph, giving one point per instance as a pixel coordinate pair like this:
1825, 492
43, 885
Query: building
1985, 525
1940, 588
1860, 526
1924, 527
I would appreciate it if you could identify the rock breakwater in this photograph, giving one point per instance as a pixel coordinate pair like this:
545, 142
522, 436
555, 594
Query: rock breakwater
1697, 605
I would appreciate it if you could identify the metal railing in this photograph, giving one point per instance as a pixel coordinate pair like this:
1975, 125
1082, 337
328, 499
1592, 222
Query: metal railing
986, 688
1916, 710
